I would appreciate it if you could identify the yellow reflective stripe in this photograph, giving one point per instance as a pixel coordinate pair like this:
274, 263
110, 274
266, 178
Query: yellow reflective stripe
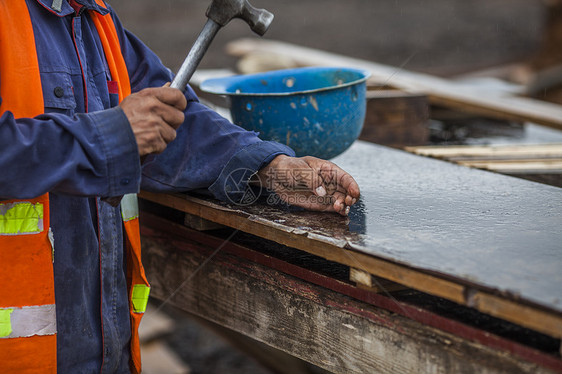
129, 207
21, 218
5, 322
28, 321
140, 297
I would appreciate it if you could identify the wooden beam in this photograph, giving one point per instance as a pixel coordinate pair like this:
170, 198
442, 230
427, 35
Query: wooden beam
360, 277
368, 282
507, 159
327, 329
487, 151
440, 91
533, 317
199, 224
396, 118
516, 166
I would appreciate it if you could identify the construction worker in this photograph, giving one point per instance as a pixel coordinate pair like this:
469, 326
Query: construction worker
77, 116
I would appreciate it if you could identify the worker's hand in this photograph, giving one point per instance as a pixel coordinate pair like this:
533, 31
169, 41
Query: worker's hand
310, 183
154, 115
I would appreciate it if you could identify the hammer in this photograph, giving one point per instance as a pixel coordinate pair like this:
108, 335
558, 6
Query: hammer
219, 13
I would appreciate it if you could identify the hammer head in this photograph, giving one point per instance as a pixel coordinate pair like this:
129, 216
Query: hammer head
222, 11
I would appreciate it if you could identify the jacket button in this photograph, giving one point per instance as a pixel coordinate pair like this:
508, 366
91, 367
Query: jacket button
59, 92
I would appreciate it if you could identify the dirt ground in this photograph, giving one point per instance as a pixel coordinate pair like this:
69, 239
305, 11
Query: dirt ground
441, 37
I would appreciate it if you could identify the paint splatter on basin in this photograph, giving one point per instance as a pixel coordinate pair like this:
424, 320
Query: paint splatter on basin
316, 111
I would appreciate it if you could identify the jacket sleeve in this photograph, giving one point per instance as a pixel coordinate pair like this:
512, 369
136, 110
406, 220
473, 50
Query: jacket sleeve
86, 155
208, 148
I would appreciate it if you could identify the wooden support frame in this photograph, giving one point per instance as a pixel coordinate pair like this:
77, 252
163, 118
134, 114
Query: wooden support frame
371, 283
396, 118
497, 305
243, 291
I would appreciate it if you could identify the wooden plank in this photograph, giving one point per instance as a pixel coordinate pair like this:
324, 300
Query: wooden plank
511, 310
538, 166
551, 179
440, 91
360, 276
522, 150
512, 158
366, 281
396, 118
507, 159
335, 332
530, 317
199, 224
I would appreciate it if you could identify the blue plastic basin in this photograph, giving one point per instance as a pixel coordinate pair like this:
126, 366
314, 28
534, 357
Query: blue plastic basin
316, 111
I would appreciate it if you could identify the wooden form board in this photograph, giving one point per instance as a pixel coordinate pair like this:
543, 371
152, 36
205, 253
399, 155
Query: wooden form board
476, 238
488, 151
509, 159
537, 166
440, 91
244, 291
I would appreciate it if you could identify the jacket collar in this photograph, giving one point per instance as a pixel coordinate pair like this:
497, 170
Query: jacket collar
66, 9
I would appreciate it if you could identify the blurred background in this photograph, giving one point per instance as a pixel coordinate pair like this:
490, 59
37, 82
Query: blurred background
441, 37
446, 38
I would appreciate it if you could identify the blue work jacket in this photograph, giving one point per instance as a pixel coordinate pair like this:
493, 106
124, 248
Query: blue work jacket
82, 150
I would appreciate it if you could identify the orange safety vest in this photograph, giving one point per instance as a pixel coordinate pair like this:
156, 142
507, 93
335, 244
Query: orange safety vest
27, 297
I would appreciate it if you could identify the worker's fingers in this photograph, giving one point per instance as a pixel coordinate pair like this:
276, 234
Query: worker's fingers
168, 133
319, 176
294, 174
170, 115
152, 119
350, 200
305, 178
311, 183
334, 178
152, 135
170, 96
306, 200
340, 206
167, 102
338, 183
334, 203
